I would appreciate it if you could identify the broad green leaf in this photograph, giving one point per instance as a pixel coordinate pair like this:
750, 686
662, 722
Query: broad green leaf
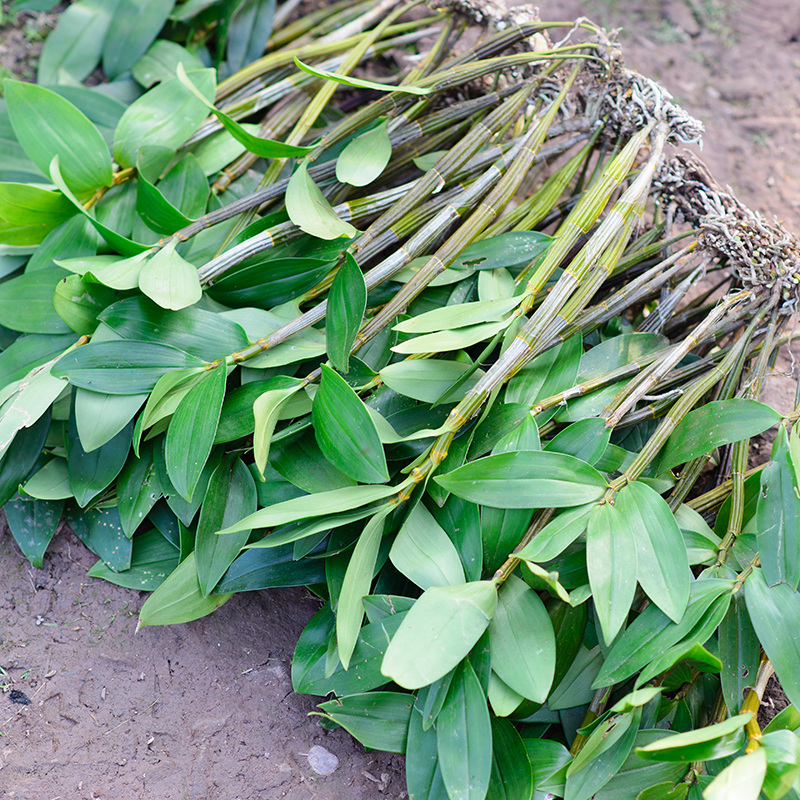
100, 530
739, 652
30, 400
502, 698
32, 523
138, 490
662, 565
161, 61
79, 302
712, 425
458, 316
152, 560
28, 214
190, 436
265, 148
501, 531
461, 521
266, 410
27, 352
704, 744
357, 580
76, 44
586, 439
179, 599
170, 280
440, 629
135, 25
317, 505
347, 80
612, 559
153, 208
26, 302
424, 553
526, 479
741, 779
782, 748
464, 737
653, 632
90, 473
548, 759
775, 614
575, 688
202, 333
347, 300
366, 157
19, 461
364, 670
509, 250
231, 495
167, 115
121, 367
111, 271
51, 482
310, 211
617, 352
427, 379
778, 517
47, 125
166, 397
557, 535
345, 431
423, 773
266, 569
522, 641
249, 30
378, 720
458, 339
100, 417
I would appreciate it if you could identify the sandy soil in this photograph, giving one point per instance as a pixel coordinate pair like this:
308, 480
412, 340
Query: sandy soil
205, 710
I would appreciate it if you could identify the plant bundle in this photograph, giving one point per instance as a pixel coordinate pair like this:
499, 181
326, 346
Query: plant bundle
464, 350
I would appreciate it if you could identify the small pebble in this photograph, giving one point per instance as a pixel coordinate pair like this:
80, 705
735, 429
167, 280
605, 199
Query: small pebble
322, 761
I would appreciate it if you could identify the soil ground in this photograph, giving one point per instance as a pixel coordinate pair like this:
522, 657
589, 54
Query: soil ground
205, 710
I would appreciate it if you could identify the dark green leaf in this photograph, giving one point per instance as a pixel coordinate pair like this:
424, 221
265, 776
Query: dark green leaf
347, 301
100, 530
26, 302
501, 531
152, 561
739, 652
27, 352
190, 436
705, 744
423, 773
33, 523
135, 25
138, 490
267, 568
248, 32
526, 479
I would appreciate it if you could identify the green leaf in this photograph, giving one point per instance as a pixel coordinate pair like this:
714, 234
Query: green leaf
121, 367
502, 698
357, 580
547, 758
509, 250
310, 211
612, 560
704, 744
782, 749
428, 379
249, 31
778, 517
663, 566
317, 505
265, 569
347, 80
47, 125
100, 530
166, 115
90, 473
366, 157
424, 553
170, 280
522, 640
33, 523
51, 482
557, 535
345, 431
265, 148
27, 352
378, 720
74, 47
100, 417
179, 599
526, 479
440, 629
266, 410
78, 303
347, 300
739, 652
231, 495
111, 271
741, 779
616, 352
138, 490
153, 208
26, 302
423, 773
775, 614
28, 214
712, 425
152, 560
133, 29
191, 432
459, 316
18, 461
458, 339
161, 61
575, 688
586, 439
464, 737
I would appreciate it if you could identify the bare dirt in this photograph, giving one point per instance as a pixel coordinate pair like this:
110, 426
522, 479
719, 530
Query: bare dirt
205, 710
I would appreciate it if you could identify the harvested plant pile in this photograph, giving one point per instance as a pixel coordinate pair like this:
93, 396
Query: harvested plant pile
467, 351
